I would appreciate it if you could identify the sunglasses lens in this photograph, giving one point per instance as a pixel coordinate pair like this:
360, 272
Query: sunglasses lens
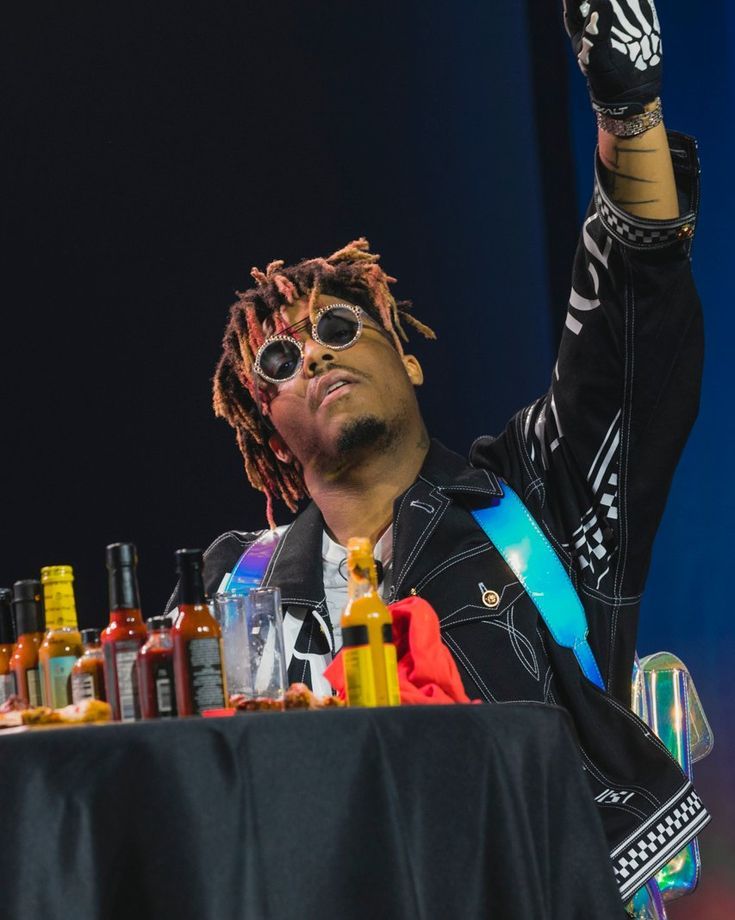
338, 327
279, 360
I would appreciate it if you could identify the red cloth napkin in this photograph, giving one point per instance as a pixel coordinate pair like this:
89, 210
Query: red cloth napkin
426, 670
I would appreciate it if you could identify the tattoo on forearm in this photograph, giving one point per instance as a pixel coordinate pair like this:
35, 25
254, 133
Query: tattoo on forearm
617, 178
622, 175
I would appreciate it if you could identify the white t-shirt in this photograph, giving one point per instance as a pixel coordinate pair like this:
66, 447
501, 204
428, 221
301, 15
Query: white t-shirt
334, 564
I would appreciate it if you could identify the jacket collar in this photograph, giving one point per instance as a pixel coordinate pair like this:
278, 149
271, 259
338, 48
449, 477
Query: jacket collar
419, 511
296, 567
451, 473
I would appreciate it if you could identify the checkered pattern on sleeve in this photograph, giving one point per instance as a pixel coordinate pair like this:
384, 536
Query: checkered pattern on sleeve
638, 233
666, 833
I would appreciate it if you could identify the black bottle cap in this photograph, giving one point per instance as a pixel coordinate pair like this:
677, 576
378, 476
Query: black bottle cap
90, 637
122, 559
158, 623
7, 632
28, 606
188, 559
121, 554
190, 568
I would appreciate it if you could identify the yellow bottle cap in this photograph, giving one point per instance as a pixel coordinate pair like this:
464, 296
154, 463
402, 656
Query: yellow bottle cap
360, 562
58, 596
51, 573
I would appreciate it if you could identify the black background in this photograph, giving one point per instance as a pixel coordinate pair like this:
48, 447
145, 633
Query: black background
153, 154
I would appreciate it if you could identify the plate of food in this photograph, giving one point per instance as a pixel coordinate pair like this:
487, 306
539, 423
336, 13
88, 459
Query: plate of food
298, 696
16, 715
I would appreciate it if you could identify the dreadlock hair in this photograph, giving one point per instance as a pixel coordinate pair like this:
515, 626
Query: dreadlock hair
352, 272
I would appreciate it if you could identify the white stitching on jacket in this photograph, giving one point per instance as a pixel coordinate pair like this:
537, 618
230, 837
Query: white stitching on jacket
458, 557
481, 685
428, 530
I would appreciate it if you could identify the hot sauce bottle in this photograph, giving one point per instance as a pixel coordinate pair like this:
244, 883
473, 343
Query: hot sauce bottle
156, 671
30, 622
62, 644
88, 674
198, 664
122, 639
7, 639
371, 672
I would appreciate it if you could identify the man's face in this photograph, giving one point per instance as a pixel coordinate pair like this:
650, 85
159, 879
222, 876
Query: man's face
342, 403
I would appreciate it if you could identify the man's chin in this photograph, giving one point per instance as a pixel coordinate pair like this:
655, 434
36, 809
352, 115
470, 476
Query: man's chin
364, 433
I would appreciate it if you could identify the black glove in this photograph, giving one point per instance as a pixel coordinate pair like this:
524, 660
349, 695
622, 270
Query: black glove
618, 48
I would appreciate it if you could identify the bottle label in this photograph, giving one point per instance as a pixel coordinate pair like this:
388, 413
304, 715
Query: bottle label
82, 687
7, 686
391, 675
42, 682
59, 605
34, 687
163, 681
204, 657
164, 697
59, 679
359, 675
126, 654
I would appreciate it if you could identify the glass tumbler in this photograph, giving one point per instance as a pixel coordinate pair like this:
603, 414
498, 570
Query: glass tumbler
265, 635
230, 613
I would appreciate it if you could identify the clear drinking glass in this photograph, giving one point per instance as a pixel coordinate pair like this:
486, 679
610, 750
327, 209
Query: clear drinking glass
265, 634
230, 613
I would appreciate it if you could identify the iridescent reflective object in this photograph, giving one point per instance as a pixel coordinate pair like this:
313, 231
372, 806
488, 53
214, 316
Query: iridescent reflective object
664, 696
647, 903
251, 567
535, 564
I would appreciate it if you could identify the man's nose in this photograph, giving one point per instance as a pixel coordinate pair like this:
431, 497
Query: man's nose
315, 357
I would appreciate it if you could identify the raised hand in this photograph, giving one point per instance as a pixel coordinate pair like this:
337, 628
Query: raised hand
618, 48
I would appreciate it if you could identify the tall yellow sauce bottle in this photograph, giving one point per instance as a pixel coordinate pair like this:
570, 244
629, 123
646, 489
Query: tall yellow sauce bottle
62, 644
369, 655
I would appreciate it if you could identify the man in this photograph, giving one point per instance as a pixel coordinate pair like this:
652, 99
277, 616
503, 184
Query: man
315, 381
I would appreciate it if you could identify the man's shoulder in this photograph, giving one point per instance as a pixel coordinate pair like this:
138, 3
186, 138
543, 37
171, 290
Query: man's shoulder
232, 540
224, 551
221, 556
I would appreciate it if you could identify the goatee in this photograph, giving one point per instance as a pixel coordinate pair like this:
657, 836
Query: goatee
365, 431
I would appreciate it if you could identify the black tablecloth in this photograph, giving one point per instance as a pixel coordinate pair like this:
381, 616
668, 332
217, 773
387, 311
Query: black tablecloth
423, 812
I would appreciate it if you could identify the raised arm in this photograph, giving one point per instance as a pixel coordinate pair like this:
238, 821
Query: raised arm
594, 457
618, 48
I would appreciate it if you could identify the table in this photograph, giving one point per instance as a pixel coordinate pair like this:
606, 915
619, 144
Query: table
442, 812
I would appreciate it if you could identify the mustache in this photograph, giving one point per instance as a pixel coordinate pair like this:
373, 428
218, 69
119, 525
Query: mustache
333, 366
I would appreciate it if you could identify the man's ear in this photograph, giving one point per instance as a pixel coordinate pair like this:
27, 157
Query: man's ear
278, 446
413, 369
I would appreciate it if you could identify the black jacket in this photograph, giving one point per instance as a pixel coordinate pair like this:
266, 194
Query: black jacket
593, 460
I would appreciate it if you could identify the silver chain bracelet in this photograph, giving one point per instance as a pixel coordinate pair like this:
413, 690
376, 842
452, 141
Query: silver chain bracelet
631, 127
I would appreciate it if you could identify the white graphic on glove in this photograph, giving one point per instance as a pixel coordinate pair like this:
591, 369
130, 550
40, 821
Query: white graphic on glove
631, 34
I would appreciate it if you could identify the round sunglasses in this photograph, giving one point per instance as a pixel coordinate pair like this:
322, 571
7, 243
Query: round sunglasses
337, 327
